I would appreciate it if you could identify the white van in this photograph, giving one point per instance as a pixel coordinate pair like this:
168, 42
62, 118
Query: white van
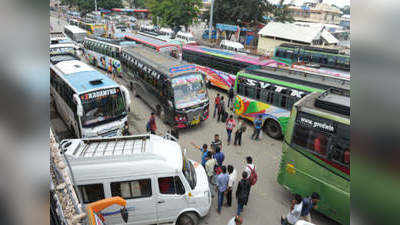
150, 172
231, 45
185, 37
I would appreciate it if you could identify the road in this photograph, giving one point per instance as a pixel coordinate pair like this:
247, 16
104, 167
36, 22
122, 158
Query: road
268, 200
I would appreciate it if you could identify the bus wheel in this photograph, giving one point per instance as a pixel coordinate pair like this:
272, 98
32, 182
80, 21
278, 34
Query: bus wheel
188, 219
273, 129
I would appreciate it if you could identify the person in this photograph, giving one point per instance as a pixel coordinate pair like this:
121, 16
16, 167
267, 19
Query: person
210, 164
242, 192
219, 156
249, 168
230, 124
222, 185
257, 128
295, 210
346, 156
204, 152
238, 134
175, 132
230, 96
221, 109
216, 142
151, 124
308, 203
231, 182
236, 220
216, 103
319, 146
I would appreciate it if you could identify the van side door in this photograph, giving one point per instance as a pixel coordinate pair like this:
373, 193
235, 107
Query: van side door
140, 198
171, 199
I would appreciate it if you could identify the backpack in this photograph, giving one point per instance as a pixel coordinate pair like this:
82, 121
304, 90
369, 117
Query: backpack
306, 206
217, 169
253, 176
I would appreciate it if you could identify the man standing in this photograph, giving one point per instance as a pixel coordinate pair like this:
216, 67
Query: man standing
230, 124
231, 182
222, 185
238, 134
216, 143
151, 124
295, 211
257, 128
219, 156
230, 96
308, 204
210, 164
204, 152
216, 103
221, 109
242, 192
250, 172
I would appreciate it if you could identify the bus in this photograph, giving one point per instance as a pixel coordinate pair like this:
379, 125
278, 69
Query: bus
174, 90
185, 38
58, 38
153, 42
331, 58
104, 52
90, 103
93, 28
220, 66
316, 152
271, 92
75, 33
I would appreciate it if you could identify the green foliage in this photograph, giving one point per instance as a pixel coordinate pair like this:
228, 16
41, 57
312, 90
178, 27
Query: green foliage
174, 13
86, 6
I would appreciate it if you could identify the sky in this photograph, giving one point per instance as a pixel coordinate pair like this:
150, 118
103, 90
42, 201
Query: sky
339, 3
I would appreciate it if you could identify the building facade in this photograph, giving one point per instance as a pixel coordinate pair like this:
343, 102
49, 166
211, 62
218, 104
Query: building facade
316, 13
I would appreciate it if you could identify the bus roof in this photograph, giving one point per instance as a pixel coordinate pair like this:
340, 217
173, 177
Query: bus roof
146, 40
79, 75
138, 154
74, 29
163, 63
241, 57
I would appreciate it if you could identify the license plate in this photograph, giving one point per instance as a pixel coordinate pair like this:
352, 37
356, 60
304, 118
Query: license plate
195, 121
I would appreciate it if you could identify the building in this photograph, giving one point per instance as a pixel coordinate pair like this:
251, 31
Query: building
345, 22
316, 13
276, 33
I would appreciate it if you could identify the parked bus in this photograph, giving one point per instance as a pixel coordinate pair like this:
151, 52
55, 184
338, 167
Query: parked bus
153, 42
316, 152
331, 58
90, 103
105, 52
75, 33
93, 28
185, 38
172, 88
271, 92
220, 66
58, 38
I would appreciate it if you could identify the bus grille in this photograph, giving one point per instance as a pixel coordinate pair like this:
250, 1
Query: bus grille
193, 114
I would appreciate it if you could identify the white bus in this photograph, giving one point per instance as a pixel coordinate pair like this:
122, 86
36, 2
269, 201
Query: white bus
75, 33
90, 103
185, 38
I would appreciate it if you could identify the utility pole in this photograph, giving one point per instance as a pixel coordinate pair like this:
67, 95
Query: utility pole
211, 20
95, 5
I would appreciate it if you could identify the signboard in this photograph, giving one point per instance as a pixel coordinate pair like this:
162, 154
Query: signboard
99, 94
227, 27
178, 69
308, 120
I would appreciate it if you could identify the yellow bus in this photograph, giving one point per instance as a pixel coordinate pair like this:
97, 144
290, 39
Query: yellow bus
93, 28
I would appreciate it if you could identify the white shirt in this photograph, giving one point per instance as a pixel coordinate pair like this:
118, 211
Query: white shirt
247, 169
232, 221
232, 179
294, 215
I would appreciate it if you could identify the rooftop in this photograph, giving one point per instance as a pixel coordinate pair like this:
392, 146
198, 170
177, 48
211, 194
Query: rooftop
292, 31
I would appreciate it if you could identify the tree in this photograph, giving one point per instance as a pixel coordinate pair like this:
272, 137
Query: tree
281, 13
86, 6
174, 13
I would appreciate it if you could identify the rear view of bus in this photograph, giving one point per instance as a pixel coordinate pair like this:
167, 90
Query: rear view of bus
316, 152
90, 103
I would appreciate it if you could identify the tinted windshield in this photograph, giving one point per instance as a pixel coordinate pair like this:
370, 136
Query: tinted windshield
102, 106
189, 172
189, 90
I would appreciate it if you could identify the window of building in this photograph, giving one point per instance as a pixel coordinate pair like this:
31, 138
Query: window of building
132, 189
91, 192
171, 185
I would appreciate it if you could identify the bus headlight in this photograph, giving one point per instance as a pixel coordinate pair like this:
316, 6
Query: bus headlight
290, 168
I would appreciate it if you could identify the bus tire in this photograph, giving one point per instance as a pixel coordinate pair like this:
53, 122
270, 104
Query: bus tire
273, 129
188, 219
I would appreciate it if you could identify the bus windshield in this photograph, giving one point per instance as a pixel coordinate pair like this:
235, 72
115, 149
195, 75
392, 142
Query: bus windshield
102, 106
98, 29
189, 172
327, 139
189, 90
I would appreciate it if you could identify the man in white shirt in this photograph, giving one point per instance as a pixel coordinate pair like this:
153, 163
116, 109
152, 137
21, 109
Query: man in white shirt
249, 167
295, 211
236, 220
210, 164
231, 182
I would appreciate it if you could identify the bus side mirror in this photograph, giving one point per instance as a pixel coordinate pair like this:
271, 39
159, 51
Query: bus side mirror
127, 98
79, 109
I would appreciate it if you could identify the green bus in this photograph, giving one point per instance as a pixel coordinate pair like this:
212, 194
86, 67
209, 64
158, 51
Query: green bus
316, 152
270, 92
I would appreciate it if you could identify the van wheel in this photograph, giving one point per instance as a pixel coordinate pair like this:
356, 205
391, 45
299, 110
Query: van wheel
273, 129
188, 219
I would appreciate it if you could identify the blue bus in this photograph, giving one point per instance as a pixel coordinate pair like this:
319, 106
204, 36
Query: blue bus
90, 103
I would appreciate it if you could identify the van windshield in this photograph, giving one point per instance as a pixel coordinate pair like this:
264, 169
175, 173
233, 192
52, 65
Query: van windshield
189, 172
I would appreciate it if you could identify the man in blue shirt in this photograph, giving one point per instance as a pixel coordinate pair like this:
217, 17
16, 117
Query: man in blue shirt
204, 151
257, 128
219, 156
308, 203
222, 185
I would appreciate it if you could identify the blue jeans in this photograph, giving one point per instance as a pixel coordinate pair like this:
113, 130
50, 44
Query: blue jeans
239, 209
220, 200
229, 135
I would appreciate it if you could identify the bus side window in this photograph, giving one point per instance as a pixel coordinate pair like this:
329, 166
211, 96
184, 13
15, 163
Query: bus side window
91, 192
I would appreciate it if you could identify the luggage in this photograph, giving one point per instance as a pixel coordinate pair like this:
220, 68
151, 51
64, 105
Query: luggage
224, 116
